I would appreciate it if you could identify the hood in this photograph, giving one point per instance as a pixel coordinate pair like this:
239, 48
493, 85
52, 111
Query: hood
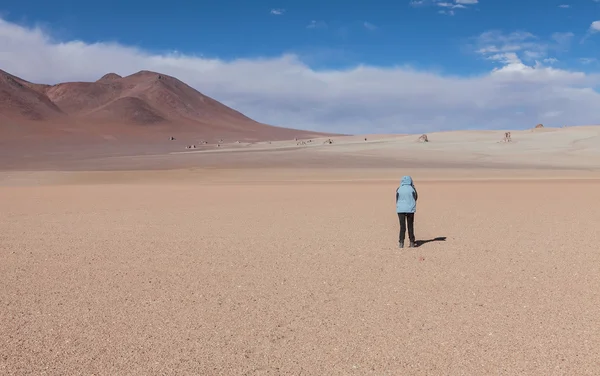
406, 180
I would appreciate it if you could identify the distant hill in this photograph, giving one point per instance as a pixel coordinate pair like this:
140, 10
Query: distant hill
130, 104
20, 99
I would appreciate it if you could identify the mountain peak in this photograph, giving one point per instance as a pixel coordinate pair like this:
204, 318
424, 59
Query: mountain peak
147, 74
109, 77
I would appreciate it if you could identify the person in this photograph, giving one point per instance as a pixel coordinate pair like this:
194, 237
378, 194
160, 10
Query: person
406, 206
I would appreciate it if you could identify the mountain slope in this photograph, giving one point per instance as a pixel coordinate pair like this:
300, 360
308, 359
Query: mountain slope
22, 100
129, 109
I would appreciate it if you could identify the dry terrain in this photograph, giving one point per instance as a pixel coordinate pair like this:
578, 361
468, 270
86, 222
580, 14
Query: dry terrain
277, 258
570, 150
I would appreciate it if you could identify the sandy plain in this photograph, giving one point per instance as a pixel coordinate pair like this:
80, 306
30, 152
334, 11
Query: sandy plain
278, 259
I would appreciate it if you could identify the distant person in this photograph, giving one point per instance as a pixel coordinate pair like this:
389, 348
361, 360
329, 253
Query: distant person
406, 206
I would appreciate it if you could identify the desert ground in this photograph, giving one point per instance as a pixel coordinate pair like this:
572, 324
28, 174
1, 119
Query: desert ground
281, 259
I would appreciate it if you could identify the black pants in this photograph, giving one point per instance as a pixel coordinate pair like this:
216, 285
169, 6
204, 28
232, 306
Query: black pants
407, 219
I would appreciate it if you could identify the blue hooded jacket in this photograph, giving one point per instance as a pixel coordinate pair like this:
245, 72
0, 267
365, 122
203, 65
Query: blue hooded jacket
406, 196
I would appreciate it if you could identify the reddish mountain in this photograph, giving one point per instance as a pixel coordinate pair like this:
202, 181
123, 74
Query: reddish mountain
109, 77
116, 104
142, 98
20, 99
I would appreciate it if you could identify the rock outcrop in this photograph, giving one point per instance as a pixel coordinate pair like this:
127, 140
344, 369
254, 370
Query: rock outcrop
507, 137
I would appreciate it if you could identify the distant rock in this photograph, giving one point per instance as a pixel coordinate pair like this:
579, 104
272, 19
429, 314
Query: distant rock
507, 137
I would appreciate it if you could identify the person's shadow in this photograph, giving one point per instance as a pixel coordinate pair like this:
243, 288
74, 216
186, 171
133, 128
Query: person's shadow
419, 243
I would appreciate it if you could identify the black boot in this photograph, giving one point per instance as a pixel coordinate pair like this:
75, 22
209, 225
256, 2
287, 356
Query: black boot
400, 244
412, 245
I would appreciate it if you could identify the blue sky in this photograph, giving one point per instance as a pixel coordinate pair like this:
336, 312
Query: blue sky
409, 52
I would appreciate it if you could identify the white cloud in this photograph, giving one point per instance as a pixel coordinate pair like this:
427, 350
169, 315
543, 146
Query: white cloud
565, 6
506, 58
277, 12
524, 45
563, 39
316, 24
285, 91
588, 60
595, 26
416, 3
448, 6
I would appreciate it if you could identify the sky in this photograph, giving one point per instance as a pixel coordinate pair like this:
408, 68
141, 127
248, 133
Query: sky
408, 66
